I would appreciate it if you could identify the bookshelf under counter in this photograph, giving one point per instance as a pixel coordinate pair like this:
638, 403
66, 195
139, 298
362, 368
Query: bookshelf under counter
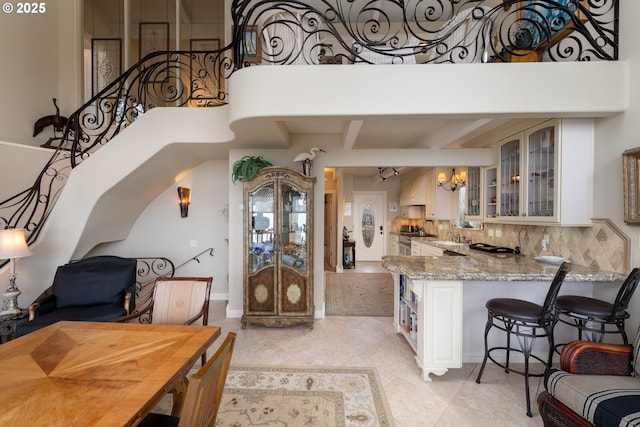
428, 314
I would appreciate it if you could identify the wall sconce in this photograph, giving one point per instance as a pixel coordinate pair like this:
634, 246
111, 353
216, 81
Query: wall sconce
455, 180
13, 244
184, 199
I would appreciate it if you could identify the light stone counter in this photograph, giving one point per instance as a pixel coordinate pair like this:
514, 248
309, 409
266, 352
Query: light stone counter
482, 267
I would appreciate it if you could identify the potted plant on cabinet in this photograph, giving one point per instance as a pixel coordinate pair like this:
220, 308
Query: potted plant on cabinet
247, 167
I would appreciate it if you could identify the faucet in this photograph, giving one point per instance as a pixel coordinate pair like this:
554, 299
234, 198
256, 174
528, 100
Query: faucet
526, 233
455, 237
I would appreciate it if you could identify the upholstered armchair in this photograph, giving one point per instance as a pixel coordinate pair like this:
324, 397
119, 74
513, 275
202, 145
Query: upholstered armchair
597, 384
96, 289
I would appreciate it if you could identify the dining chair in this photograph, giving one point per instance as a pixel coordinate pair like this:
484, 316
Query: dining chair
527, 321
203, 395
178, 301
595, 317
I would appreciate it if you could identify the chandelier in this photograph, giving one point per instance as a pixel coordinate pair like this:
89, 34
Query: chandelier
455, 181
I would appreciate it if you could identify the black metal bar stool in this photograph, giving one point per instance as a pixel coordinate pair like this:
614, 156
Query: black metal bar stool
527, 321
592, 316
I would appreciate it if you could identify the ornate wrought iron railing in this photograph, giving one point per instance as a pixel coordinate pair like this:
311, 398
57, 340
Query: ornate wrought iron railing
423, 31
321, 32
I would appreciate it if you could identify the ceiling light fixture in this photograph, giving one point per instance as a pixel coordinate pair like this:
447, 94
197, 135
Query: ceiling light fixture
455, 181
386, 173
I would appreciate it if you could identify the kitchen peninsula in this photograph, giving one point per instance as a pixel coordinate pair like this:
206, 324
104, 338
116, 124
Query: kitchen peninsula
439, 301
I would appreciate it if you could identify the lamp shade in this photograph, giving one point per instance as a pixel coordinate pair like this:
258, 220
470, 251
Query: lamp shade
13, 243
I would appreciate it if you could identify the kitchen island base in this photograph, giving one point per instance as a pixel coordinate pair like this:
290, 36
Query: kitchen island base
428, 313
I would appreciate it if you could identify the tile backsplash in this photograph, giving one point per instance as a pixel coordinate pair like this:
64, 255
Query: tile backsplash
603, 245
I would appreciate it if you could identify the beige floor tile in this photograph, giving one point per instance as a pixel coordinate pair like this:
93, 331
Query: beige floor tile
453, 399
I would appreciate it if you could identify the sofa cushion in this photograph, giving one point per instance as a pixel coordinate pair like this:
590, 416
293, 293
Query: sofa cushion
98, 313
604, 400
93, 281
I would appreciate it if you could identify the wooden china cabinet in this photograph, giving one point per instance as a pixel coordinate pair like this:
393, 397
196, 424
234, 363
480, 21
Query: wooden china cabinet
278, 248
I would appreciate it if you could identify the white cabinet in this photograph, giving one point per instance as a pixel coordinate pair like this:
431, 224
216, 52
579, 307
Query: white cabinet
429, 316
394, 249
438, 201
545, 168
425, 249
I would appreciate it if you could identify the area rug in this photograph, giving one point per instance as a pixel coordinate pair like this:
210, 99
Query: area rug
359, 294
274, 396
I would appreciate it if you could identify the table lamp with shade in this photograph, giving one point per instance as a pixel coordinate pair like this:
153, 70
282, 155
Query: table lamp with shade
13, 245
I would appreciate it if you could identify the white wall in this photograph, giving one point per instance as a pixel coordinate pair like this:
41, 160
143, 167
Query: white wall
160, 231
615, 135
41, 60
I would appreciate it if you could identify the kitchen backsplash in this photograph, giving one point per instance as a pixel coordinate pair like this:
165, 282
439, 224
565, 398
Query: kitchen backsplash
603, 246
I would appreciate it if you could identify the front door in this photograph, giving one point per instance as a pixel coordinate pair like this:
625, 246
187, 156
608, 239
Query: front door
369, 225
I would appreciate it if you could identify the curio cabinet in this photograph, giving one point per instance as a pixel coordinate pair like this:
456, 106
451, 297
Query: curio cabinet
278, 248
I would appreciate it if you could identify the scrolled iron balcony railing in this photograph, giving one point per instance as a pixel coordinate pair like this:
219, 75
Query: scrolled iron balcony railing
423, 31
312, 32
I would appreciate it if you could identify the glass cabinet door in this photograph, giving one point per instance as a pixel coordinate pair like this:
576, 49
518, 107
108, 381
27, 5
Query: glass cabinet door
510, 179
473, 192
261, 238
540, 172
293, 223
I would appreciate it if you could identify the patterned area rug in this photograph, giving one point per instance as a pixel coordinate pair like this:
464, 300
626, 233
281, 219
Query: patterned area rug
354, 294
272, 396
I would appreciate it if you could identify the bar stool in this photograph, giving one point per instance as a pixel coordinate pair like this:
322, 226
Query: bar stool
592, 315
527, 321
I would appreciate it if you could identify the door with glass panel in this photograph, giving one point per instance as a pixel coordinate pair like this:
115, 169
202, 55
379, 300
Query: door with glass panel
368, 225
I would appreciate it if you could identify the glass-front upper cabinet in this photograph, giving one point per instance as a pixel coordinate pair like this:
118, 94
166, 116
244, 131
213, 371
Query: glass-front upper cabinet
474, 193
510, 188
528, 163
536, 177
541, 166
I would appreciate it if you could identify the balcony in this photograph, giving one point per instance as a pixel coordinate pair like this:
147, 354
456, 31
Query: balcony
480, 34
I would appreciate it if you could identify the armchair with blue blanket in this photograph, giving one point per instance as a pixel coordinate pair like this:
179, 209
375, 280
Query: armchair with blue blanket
96, 289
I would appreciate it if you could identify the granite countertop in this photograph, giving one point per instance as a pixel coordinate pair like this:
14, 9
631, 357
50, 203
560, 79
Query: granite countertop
477, 266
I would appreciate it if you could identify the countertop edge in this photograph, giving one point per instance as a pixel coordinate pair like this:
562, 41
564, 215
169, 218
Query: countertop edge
484, 268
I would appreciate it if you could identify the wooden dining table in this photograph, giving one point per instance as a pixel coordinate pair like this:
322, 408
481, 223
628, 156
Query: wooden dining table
95, 373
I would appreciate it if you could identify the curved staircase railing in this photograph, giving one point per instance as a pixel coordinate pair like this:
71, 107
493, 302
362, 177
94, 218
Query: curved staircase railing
334, 31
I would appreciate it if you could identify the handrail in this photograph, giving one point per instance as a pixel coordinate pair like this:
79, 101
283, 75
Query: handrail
335, 31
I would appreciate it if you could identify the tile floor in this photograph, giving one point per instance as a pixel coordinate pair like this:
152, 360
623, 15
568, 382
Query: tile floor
454, 399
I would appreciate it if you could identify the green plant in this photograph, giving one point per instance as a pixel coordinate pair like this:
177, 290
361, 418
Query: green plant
247, 167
